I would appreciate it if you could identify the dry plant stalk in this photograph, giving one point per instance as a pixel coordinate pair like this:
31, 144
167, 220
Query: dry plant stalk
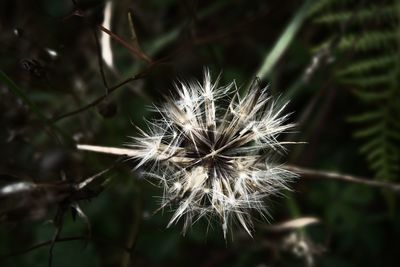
211, 152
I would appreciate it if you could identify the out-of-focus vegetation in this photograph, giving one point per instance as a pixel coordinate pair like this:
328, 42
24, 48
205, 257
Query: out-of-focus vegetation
336, 60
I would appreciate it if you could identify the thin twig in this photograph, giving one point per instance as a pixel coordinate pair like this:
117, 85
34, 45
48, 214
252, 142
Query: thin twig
108, 150
138, 53
315, 174
100, 60
101, 98
133, 50
128, 257
56, 235
63, 239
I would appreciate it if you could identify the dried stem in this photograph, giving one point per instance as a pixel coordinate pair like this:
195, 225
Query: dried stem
101, 98
62, 239
139, 54
100, 60
305, 172
108, 150
137, 209
315, 174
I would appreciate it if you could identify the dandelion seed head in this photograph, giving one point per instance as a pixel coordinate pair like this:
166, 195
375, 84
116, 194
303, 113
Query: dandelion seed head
212, 149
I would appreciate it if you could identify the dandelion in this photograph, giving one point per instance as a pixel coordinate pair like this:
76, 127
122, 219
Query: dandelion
211, 151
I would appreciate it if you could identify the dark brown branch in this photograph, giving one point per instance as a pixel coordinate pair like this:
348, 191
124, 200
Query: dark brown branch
100, 59
134, 51
315, 174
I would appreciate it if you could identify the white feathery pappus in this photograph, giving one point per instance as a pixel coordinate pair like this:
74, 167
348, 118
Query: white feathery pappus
211, 151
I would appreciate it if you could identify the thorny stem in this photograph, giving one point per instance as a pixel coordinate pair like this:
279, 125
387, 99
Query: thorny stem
305, 172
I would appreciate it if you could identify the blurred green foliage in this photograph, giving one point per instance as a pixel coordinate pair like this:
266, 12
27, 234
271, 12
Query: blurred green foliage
371, 41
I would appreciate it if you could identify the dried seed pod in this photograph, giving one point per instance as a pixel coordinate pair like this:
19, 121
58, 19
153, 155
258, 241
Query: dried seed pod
211, 152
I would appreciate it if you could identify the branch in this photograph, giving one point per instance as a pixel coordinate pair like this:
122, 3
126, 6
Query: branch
315, 174
134, 231
63, 239
100, 59
101, 98
310, 173
139, 54
108, 150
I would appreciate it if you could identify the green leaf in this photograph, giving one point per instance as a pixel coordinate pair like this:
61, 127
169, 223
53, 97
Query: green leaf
370, 131
284, 40
361, 16
366, 117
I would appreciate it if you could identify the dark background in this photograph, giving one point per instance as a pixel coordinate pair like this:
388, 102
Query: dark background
339, 68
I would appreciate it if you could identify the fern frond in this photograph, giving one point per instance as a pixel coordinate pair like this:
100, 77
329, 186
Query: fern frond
383, 13
362, 67
370, 131
375, 74
362, 42
368, 81
370, 146
368, 96
321, 5
365, 117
